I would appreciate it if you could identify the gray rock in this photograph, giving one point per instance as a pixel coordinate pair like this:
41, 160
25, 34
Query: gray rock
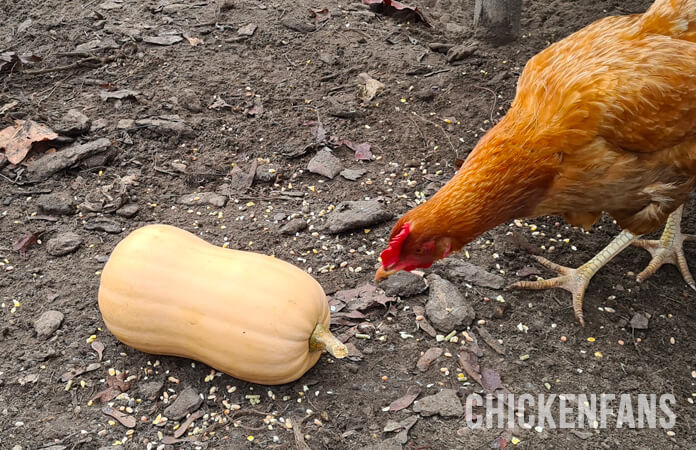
445, 403
460, 271
326, 164
166, 125
151, 390
51, 163
48, 323
63, 244
191, 101
103, 224
356, 214
203, 198
58, 204
447, 308
353, 174
403, 284
128, 211
264, 174
640, 321
247, 30
125, 124
73, 123
186, 402
387, 444
293, 226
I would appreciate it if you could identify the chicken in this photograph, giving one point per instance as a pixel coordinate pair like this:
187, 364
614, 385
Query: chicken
603, 121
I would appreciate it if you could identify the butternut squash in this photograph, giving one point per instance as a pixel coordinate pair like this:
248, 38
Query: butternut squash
165, 291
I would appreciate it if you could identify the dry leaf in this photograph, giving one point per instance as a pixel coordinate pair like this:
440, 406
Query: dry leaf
124, 419
99, 348
370, 88
194, 41
405, 401
18, 139
394, 8
23, 243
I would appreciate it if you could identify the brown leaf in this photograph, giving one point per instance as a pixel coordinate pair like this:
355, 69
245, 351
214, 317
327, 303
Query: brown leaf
470, 364
184, 426
18, 139
124, 419
398, 9
219, 103
362, 151
106, 395
99, 348
67, 376
490, 380
404, 402
428, 358
23, 243
490, 340
117, 382
320, 15
363, 297
194, 41
255, 110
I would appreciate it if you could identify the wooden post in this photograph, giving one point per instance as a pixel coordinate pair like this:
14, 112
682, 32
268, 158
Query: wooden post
498, 21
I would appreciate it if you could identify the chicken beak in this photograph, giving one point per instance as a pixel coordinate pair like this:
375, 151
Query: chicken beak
383, 274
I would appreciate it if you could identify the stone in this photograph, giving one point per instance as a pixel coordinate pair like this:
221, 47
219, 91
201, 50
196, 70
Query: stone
73, 123
353, 174
326, 164
186, 402
447, 309
265, 174
640, 321
48, 323
103, 224
203, 198
445, 403
63, 244
151, 389
128, 211
56, 204
403, 284
351, 215
293, 226
51, 163
459, 271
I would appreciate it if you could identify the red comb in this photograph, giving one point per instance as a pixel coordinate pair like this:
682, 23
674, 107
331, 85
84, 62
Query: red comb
391, 254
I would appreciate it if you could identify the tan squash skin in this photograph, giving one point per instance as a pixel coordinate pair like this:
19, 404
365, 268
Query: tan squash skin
165, 291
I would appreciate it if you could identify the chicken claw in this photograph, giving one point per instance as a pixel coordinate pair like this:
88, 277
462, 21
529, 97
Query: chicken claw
669, 249
576, 281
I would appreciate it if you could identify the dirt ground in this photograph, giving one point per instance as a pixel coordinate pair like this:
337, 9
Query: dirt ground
430, 113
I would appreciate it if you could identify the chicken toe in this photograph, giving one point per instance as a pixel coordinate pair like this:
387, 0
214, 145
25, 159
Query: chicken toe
576, 281
669, 249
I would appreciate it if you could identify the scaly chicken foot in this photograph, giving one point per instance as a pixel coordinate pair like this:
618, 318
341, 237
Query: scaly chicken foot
576, 281
669, 249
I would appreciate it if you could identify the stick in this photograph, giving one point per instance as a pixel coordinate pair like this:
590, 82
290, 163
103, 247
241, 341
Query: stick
85, 62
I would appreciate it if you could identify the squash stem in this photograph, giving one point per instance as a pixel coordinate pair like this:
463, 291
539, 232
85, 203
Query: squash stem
322, 339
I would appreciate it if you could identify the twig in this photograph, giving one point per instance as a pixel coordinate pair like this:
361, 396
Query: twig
85, 62
495, 100
289, 60
160, 170
9, 179
435, 72
300, 443
441, 129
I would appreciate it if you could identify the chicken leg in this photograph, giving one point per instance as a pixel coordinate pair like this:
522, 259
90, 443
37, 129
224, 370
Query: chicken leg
669, 249
575, 281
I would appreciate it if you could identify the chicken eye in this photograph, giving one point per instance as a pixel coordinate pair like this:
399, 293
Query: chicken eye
419, 251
